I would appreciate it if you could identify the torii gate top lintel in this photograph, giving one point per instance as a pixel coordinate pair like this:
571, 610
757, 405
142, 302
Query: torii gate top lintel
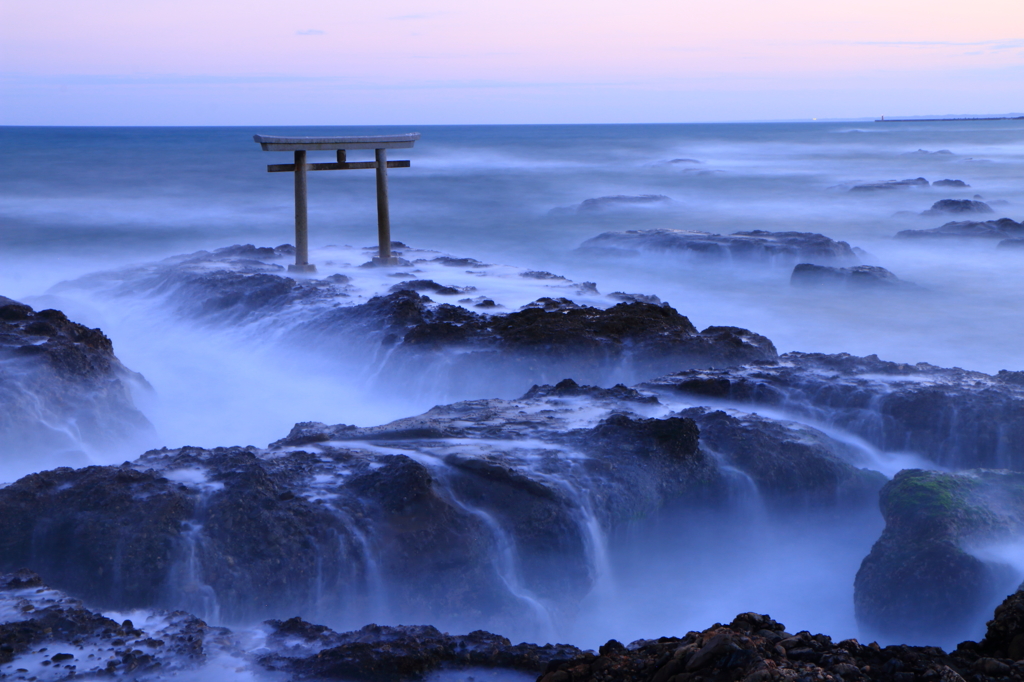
300, 145
273, 143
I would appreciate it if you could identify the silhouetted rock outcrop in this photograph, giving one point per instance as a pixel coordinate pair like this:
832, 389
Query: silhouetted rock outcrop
1004, 228
857, 277
781, 248
919, 583
958, 206
952, 417
62, 389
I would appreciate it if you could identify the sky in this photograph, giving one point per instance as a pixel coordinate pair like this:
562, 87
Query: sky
341, 62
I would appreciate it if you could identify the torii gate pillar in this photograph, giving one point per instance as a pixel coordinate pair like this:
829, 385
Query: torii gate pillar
379, 143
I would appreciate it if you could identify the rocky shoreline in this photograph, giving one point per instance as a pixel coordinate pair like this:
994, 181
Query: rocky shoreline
58, 638
498, 511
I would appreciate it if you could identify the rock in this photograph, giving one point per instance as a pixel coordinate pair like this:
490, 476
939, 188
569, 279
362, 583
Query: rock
62, 391
1004, 635
794, 466
620, 201
918, 583
758, 246
890, 185
431, 286
958, 206
952, 417
449, 349
856, 277
55, 637
950, 183
402, 653
543, 342
1004, 228
333, 520
1011, 244
635, 298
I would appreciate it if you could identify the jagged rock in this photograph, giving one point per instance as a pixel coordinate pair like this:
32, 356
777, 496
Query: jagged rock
949, 183
545, 341
62, 391
958, 206
755, 648
332, 520
47, 635
449, 349
953, 417
380, 653
752, 648
618, 201
793, 465
635, 298
755, 246
1003, 228
1004, 635
918, 583
890, 185
859, 277
431, 286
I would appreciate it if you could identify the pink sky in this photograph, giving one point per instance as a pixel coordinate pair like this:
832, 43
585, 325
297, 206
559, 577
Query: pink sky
216, 62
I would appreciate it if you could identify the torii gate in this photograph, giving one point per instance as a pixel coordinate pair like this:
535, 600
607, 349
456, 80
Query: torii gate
379, 143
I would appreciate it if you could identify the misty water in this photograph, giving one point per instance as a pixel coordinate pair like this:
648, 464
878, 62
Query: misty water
75, 201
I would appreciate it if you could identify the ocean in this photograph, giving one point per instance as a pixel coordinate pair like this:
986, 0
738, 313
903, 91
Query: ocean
75, 201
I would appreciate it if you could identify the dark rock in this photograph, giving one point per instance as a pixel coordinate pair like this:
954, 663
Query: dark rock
49, 621
858, 277
62, 389
604, 203
918, 583
540, 274
1011, 244
431, 286
635, 298
958, 206
404, 334
890, 185
1004, 228
955, 418
458, 262
794, 466
685, 161
752, 246
950, 183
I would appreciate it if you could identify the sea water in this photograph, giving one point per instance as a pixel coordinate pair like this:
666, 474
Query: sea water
80, 200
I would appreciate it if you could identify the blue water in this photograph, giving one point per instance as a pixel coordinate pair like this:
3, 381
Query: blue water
78, 200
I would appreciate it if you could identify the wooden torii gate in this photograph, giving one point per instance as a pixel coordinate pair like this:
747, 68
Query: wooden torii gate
300, 145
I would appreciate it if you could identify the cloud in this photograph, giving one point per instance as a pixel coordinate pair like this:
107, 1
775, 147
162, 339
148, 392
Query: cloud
991, 44
310, 32
412, 17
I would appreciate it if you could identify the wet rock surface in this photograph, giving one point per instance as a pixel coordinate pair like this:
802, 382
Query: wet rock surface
958, 206
856, 277
62, 389
1004, 228
753, 246
382, 653
332, 518
920, 582
754, 648
891, 185
621, 201
449, 346
952, 417
47, 635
